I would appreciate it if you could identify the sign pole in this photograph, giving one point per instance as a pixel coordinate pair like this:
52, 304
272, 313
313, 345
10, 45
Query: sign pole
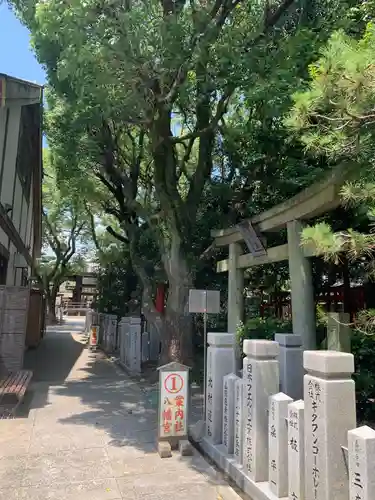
203, 302
204, 355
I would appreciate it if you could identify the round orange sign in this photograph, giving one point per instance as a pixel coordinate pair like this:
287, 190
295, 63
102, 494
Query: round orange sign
173, 383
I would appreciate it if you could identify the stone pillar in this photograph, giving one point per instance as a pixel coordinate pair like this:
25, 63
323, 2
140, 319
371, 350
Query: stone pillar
338, 332
235, 297
219, 364
121, 339
135, 345
329, 396
145, 347
291, 364
296, 451
361, 453
261, 380
113, 329
124, 334
278, 444
302, 295
238, 421
228, 412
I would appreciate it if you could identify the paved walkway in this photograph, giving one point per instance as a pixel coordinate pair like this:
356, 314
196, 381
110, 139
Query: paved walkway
88, 433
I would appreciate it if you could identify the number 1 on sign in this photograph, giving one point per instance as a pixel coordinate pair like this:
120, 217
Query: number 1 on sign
173, 383
174, 388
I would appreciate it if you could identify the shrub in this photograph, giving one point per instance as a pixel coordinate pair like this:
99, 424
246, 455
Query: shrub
363, 349
262, 328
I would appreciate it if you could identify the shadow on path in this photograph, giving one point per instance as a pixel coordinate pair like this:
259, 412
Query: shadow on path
91, 434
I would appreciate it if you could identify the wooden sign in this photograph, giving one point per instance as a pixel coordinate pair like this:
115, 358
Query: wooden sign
251, 238
173, 401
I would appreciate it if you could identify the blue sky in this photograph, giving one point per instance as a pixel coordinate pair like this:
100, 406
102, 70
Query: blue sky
16, 57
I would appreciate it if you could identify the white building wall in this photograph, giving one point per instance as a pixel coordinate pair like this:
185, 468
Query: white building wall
10, 156
10, 272
24, 218
11, 191
3, 115
18, 277
4, 240
17, 204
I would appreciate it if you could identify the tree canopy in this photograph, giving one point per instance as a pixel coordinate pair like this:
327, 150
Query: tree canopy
64, 222
169, 117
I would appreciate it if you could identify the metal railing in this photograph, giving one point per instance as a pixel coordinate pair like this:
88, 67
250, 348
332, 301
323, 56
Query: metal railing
74, 307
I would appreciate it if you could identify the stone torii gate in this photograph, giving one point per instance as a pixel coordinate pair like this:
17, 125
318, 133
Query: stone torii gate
316, 200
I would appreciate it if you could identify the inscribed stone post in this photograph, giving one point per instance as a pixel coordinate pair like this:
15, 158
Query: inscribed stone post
145, 347
238, 420
135, 345
261, 380
361, 452
278, 444
219, 364
112, 331
121, 339
125, 342
296, 451
228, 412
329, 414
338, 332
291, 364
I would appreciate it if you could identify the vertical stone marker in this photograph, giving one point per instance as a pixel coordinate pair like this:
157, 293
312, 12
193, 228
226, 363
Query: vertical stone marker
135, 345
219, 364
338, 332
125, 341
329, 415
361, 451
145, 347
238, 421
291, 364
261, 380
228, 412
296, 451
278, 444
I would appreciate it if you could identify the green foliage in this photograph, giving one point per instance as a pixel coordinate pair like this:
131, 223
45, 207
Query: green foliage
117, 287
363, 349
64, 221
262, 328
168, 117
336, 113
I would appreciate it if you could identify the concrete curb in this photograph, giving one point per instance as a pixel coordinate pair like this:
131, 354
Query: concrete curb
224, 491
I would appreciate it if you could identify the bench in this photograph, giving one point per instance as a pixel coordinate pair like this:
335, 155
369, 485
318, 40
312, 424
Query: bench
12, 391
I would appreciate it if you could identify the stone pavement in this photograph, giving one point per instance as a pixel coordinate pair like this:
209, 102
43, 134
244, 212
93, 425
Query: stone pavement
88, 432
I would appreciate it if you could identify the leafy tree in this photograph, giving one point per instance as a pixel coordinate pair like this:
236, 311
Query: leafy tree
335, 117
63, 222
142, 94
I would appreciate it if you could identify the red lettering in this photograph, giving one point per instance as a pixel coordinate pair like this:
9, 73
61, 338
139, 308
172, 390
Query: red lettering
174, 388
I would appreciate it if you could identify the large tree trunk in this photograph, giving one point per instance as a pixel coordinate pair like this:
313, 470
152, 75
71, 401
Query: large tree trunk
177, 334
175, 326
51, 305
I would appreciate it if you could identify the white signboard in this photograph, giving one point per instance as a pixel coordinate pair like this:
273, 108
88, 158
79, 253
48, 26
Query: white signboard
173, 403
204, 301
94, 336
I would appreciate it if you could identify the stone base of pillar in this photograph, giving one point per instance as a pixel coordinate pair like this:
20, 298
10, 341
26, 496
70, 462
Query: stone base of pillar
256, 491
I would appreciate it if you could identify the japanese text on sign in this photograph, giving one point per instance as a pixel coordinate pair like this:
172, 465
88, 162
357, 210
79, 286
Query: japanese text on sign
209, 392
248, 451
314, 394
173, 404
238, 421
